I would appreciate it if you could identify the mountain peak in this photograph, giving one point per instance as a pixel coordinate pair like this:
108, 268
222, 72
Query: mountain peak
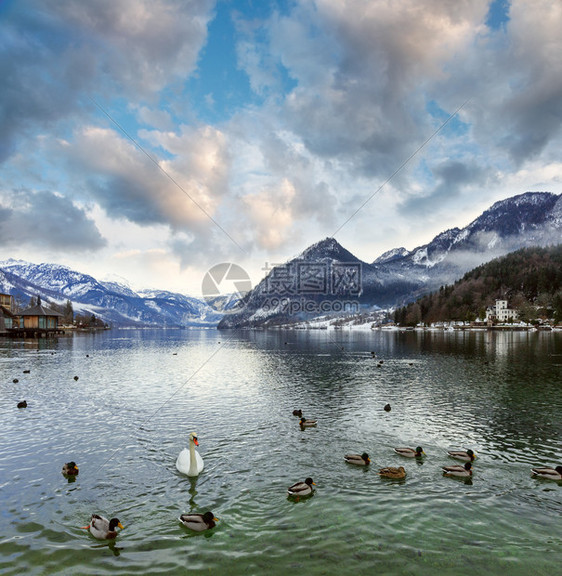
328, 249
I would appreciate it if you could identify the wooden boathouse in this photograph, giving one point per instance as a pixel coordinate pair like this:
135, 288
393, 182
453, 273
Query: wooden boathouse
37, 321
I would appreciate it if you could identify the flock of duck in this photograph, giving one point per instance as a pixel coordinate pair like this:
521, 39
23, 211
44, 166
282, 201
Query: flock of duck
190, 463
456, 470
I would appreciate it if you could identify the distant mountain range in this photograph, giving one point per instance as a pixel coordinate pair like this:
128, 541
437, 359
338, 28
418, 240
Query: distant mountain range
398, 276
112, 302
324, 279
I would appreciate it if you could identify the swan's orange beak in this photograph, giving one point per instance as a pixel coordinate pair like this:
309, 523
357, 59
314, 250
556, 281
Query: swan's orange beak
85, 527
195, 441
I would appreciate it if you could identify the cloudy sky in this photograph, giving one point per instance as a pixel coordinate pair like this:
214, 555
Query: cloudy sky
153, 139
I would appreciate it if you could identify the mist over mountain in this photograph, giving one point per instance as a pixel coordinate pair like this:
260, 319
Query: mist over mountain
400, 276
325, 279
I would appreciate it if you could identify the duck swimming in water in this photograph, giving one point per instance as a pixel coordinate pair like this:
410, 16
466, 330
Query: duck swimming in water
301, 488
410, 452
390, 472
304, 423
199, 522
458, 470
548, 472
102, 528
358, 459
70, 469
464, 455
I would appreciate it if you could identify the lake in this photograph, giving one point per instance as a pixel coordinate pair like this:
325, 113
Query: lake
139, 394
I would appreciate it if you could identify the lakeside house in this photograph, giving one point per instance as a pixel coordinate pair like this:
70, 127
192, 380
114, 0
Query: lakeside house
500, 313
32, 322
39, 317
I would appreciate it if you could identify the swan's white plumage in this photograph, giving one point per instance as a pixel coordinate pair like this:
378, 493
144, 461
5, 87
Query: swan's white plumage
189, 461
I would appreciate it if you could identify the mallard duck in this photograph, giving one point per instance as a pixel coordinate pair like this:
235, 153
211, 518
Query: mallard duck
458, 470
358, 459
198, 522
70, 469
464, 455
102, 528
297, 413
410, 452
301, 488
391, 472
307, 423
387, 408
548, 472
189, 461
22, 404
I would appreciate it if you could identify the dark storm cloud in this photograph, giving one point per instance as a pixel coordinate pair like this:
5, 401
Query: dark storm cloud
46, 220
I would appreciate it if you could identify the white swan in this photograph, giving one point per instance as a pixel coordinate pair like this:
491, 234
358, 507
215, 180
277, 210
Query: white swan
189, 462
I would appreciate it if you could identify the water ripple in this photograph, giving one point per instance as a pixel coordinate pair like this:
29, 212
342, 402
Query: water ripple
124, 425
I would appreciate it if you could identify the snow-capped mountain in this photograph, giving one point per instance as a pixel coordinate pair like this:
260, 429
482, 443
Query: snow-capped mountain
530, 219
399, 275
110, 301
325, 274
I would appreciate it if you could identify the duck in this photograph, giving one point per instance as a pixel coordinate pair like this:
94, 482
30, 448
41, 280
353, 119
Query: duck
410, 452
102, 528
199, 522
297, 413
301, 488
387, 408
70, 469
390, 472
22, 404
304, 423
189, 461
548, 472
358, 459
458, 470
464, 455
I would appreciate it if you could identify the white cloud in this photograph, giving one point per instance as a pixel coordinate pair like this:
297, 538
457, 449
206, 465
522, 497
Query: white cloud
345, 92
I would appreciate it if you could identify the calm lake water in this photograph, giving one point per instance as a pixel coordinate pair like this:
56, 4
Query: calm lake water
140, 394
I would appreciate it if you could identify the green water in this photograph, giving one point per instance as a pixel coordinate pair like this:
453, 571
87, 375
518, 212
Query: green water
140, 393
